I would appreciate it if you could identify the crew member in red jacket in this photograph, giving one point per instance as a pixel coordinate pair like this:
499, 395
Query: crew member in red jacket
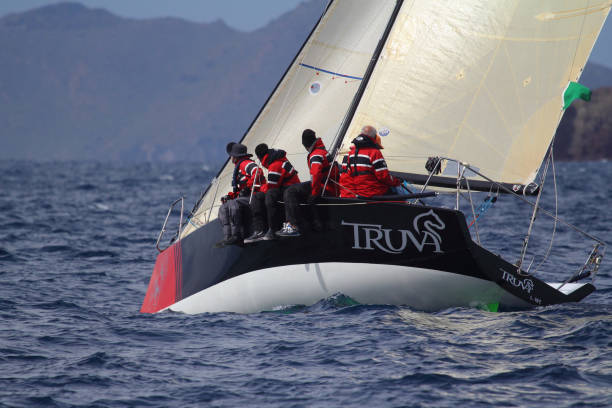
364, 170
281, 174
235, 212
320, 166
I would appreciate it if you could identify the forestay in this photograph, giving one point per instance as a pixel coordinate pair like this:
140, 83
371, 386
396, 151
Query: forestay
315, 92
477, 81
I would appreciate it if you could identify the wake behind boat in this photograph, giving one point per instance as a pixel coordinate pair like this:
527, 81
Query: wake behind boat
477, 92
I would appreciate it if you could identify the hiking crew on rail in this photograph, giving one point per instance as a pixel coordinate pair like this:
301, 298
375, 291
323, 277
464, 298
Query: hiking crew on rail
264, 205
235, 213
364, 173
320, 166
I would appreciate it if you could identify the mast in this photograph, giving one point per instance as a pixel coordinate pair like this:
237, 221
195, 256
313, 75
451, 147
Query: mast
366, 78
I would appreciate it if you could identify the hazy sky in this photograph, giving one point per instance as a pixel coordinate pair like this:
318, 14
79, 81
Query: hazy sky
244, 15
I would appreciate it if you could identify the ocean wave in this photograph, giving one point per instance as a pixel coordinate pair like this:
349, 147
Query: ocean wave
6, 256
74, 277
96, 254
56, 248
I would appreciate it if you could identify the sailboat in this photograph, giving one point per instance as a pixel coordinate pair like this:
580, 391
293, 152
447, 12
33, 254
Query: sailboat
474, 87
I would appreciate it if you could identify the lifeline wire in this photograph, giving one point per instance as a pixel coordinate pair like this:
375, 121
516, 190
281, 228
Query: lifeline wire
552, 237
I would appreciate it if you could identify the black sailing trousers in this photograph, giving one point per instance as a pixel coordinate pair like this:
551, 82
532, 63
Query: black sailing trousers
294, 195
264, 207
235, 217
295, 214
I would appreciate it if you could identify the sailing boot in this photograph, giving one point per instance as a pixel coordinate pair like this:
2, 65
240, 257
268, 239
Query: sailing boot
270, 235
235, 240
289, 230
256, 236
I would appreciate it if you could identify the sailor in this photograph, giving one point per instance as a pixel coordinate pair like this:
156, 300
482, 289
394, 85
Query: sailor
281, 174
320, 166
364, 170
235, 212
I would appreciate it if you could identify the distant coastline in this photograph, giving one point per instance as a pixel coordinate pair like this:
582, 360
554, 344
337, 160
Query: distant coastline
585, 132
83, 84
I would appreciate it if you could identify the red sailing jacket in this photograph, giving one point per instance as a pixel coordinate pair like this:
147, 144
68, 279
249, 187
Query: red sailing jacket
245, 174
365, 171
319, 166
280, 171
250, 174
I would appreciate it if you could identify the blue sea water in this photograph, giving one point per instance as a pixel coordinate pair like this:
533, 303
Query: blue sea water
77, 250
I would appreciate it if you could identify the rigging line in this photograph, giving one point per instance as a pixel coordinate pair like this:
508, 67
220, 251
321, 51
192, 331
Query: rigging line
212, 203
552, 237
330, 72
431, 173
578, 41
472, 205
582, 268
460, 172
533, 217
346, 188
255, 182
334, 156
509, 191
483, 208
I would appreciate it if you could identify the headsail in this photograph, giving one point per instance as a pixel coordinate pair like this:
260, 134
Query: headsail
315, 92
480, 82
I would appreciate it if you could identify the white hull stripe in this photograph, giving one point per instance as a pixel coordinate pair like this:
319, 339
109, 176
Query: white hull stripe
306, 284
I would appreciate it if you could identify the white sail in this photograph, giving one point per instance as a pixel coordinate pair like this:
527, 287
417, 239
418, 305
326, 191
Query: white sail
315, 93
477, 81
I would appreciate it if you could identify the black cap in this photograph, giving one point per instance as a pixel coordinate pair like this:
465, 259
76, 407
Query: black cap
237, 150
228, 148
261, 150
308, 138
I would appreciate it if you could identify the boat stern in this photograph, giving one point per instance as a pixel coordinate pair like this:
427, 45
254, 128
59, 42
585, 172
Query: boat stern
166, 281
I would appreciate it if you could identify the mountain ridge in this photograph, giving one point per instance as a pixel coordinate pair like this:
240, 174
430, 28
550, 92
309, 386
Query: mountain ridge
83, 83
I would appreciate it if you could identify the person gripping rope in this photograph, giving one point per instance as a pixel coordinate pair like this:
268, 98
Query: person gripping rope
281, 174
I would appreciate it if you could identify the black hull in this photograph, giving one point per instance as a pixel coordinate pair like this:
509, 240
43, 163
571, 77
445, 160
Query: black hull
356, 232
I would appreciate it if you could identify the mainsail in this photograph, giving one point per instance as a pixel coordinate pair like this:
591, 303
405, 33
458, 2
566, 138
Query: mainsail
315, 92
479, 82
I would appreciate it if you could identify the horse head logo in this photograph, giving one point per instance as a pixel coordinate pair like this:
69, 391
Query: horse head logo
528, 283
426, 225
